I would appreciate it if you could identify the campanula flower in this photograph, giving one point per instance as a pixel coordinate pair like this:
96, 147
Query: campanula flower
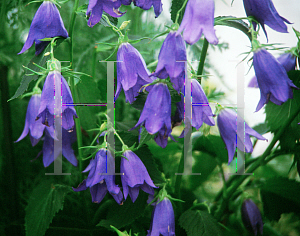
251, 217
96, 8
35, 128
228, 121
46, 111
287, 60
198, 18
163, 221
265, 13
147, 4
161, 138
131, 71
46, 23
135, 176
49, 153
156, 113
171, 60
272, 79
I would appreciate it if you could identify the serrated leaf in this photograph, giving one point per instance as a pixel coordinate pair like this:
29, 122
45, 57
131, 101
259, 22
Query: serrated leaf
261, 128
45, 201
112, 20
199, 223
144, 136
140, 101
176, 5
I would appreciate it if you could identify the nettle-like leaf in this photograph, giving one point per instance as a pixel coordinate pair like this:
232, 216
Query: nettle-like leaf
199, 223
176, 5
45, 201
280, 195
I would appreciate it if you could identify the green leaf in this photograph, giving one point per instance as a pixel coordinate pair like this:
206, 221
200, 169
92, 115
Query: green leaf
112, 20
45, 201
280, 195
199, 223
176, 5
261, 128
144, 136
140, 101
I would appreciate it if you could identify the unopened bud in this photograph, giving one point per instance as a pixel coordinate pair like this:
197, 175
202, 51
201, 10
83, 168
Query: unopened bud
124, 24
251, 217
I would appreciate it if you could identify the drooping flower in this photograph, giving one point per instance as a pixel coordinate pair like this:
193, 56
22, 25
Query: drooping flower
46, 23
46, 111
272, 79
265, 13
50, 153
96, 8
228, 123
147, 4
156, 113
251, 217
287, 60
198, 18
161, 138
131, 71
135, 176
171, 60
33, 127
163, 221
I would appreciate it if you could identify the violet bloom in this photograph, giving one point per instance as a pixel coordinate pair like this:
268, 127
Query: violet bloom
46, 111
49, 153
287, 60
228, 121
171, 60
265, 13
131, 71
251, 217
198, 18
161, 138
96, 8
272, 79
156, 113
147, 4
33, 127
135, 176
46, 23
163, 221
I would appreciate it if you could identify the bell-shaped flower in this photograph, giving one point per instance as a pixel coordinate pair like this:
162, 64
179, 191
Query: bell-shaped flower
35, 128
272, 79
132, 72
171, 60
287, 60
96, 8
147, 4
198, 18
265, 13
46, 111
228, 123
135, 176
251, 217
156, 113
161, 138
46, 23
163, 220
50, 153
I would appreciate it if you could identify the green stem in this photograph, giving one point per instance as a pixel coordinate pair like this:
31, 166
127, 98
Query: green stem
179, 177
202, 58
180, 10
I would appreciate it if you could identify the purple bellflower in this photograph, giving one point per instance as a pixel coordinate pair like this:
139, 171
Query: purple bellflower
33, 127
96, 8
199, 18
171, 60
135, 176
287, 60
156, 113
163, 221
251, 217
46, 23
272, 79
46, 111
265, 13
228, 121
49, 153
147, 4
131, 71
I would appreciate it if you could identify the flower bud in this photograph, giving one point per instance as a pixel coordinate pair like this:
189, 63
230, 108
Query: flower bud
251, 217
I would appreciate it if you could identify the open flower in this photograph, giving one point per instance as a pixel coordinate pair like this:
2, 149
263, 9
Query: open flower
272, 79
163, 221
46, 110
228, 121
132, 72
171, 60
251, 217
198, 18
147, 4
46, 23
96, 8
135, 176
265, 13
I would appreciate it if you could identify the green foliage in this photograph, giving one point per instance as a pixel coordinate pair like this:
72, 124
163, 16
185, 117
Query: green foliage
176, 5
